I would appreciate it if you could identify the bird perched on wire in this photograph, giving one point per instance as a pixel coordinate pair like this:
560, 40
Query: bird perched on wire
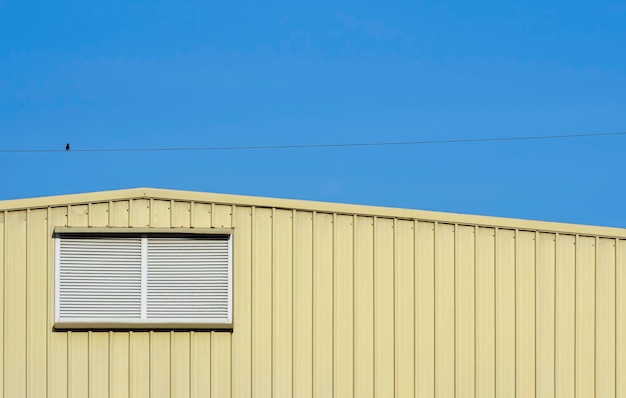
67, 146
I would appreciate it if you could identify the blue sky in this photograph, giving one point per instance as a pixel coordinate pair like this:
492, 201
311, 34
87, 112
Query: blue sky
112, 74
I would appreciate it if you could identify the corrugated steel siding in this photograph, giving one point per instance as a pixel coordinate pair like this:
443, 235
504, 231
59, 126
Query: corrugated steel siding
337, 305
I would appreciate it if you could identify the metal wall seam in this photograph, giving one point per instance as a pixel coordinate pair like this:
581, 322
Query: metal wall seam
496, 246
272, 298
5, 262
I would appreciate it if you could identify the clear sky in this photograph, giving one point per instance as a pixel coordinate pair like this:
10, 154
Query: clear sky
120, 74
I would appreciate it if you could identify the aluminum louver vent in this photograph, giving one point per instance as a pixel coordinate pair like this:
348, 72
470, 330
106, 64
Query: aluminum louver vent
187, 278
143, 280
101, 278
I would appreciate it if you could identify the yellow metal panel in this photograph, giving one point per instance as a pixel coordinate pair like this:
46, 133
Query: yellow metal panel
37, 301
220, 365
329, 308
565, 316
242, 301
605, 318
444, 310
201, 215
282, 304
119, 364
323, 306
585, 317
118, 213
99, 214
363, 307
161, 213
180, 364
485, 313
222, 216
139, 213
464, 311
181, 214
262, 303
57, 341
99, 364
200, 364
620, 322
78, 367
78, 216
505, 313
425, 309
525, 314
303, 301
404, 254
15, 305
139, 364
160, 364
545, 332
384, 365
343, 306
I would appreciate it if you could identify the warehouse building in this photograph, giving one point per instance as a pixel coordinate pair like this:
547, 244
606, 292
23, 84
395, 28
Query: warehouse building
160, 293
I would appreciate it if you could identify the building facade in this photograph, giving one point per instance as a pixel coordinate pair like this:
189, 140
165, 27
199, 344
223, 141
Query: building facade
328, 300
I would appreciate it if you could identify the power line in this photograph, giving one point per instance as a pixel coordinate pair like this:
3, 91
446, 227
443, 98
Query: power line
313, 146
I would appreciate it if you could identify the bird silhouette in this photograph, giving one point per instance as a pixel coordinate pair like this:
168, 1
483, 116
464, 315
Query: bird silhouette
67, 146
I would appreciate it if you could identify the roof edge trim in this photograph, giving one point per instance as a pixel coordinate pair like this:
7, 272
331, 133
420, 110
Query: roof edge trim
304, 205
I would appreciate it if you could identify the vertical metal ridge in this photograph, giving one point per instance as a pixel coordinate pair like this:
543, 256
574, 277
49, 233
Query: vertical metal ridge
231, 284
615, 315
333, 301
435, 261
595, 315
374, 290
293, 289
415, 306
475, 234
455, 245
4, 299
151, 358
313, 298
49, 307
27, 301
192, 380
395, 306
273, 300
89, 363
354, 221
576, 293
69, 362
131, 373
172, 214
130, 212
516, 292
253, 315
496, 243
192, 213
151, 213
557, 259
110, 212
536, 259
110, 373
171, 374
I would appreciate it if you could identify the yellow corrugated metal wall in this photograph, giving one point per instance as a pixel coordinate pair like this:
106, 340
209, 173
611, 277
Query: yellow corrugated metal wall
334, 305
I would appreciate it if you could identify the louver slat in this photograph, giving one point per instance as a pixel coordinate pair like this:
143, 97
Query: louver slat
188, 279
99, 278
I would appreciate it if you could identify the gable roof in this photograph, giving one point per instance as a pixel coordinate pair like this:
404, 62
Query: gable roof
304, 205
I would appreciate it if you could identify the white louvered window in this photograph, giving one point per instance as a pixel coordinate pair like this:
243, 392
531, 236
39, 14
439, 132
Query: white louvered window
152, 281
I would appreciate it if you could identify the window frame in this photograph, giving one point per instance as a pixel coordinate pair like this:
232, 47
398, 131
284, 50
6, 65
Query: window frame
138, 324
